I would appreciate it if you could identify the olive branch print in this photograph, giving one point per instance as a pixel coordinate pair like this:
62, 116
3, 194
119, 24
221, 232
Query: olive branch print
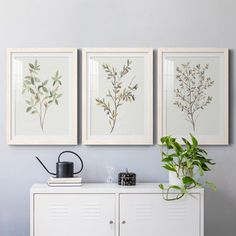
38, 94
119, 94
191, 92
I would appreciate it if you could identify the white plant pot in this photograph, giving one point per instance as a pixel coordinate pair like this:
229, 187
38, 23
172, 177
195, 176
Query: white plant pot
174, 180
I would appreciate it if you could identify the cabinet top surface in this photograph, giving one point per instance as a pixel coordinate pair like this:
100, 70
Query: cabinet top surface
104, 188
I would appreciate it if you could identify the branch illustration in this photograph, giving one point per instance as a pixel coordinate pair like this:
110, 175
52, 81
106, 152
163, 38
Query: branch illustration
38, 94
191, 91
119, 94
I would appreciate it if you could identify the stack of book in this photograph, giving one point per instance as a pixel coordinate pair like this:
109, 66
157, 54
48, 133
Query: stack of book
64, 182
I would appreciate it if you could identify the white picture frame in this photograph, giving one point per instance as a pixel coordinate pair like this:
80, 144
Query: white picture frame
135, 126
209, 122
41, 96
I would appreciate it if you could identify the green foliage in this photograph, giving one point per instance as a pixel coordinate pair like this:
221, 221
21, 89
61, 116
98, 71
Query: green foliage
191, 96
188, 163
119, 94
39, 95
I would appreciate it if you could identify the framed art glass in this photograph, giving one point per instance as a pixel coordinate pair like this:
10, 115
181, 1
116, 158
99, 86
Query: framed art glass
42, 96
118, 96
193, 94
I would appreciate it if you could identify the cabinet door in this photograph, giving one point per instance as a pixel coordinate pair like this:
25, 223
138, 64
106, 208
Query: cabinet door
150, 214
74, 215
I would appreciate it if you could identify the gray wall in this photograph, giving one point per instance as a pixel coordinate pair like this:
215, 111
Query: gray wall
114, 23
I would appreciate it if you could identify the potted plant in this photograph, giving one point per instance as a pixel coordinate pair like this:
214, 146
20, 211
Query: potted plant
185, 165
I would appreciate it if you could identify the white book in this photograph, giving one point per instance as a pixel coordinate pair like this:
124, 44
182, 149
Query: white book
65, 180
64, 184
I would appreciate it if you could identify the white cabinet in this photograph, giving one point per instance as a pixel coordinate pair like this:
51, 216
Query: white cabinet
73, 214
111, 210
150, 214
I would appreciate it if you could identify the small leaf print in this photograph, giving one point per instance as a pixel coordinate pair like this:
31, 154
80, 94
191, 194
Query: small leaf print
28, 109
191, 90
40, 93
119, 93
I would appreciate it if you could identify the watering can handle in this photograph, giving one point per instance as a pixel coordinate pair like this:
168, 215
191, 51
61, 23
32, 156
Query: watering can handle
82, 164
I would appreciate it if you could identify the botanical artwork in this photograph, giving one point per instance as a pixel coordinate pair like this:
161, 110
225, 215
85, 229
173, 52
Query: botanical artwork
40, 94
119, 93
191, 92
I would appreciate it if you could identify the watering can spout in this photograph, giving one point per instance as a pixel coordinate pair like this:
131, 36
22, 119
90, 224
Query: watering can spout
44, 166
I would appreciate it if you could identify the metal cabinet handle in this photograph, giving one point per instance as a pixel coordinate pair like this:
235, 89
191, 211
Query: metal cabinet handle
123, 222
111, 222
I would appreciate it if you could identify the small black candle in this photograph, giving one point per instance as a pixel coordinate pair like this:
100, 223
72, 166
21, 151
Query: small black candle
127, 178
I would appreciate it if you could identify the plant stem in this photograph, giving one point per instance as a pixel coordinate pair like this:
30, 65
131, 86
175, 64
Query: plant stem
115, 105
45, 111
191, 105
40, 115
113, 125
166, 196
192, 122
118, 94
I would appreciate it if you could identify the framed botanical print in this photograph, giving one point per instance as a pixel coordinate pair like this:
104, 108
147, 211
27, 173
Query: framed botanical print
193, 94
42, 96
118, 96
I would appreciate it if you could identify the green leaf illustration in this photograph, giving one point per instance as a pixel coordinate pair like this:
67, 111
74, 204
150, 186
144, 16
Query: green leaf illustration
45, 89
191, 90
40, 95
118, 94
28, 109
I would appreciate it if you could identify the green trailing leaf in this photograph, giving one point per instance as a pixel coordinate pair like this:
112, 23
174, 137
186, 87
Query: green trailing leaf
167, 159
169, 167
194, 140
188, 180
187, 162
187, 143
211, 185
201, 171
161, 186
179, 192
205, 167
